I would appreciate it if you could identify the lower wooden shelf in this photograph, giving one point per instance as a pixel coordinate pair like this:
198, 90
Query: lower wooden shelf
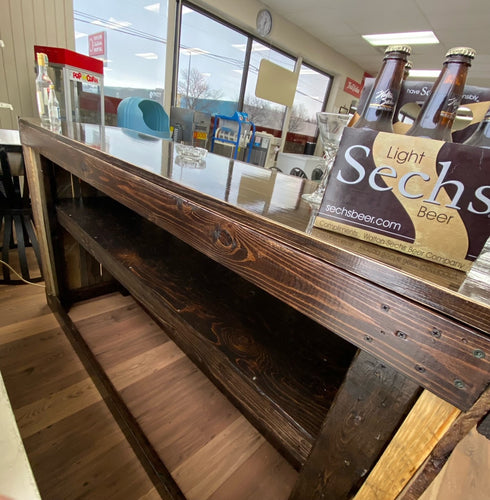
281, 369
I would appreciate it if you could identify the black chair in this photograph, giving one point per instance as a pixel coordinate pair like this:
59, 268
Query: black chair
16, 218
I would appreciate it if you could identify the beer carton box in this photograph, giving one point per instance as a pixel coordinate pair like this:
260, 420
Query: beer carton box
422, 197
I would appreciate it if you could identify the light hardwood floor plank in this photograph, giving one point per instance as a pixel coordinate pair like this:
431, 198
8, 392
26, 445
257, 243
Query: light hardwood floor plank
200, 436
75, 447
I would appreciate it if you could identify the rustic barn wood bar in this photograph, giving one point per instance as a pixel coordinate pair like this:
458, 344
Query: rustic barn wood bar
331, 347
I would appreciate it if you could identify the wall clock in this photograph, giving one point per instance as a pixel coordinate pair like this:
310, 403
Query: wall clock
264, 22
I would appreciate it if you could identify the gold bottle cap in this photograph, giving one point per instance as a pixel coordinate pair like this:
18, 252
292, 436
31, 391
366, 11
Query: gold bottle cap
42, 59
461, 51
399, 48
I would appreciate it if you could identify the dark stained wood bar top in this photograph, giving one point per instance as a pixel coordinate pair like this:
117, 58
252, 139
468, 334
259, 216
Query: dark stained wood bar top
271, 203
288, 321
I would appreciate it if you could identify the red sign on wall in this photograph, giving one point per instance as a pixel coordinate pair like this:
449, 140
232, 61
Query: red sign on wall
97, 44
352, 87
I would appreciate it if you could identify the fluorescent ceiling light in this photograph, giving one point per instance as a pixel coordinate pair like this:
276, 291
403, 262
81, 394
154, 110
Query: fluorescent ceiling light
147, 55
154, 7
79, 34
413, 38
243, 46
193, 52
306, 71
425, 73
112, 23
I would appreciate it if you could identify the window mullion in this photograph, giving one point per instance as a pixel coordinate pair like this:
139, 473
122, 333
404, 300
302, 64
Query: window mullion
246, 64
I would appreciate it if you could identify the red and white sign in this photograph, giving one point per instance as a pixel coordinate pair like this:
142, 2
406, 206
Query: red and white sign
81, 76
352, 87
97, 44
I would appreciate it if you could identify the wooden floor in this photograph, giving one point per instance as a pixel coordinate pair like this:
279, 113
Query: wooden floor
77, 450
74, 445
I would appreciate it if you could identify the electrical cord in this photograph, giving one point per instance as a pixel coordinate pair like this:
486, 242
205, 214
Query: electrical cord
17, 274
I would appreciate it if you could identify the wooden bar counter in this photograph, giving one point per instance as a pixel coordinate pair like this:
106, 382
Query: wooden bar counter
362, 366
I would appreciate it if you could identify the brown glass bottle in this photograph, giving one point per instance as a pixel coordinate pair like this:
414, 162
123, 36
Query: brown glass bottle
406, 71
481, 136
437, 115
380, 105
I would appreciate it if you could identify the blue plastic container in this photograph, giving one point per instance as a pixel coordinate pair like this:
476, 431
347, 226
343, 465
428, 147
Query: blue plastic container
143, 115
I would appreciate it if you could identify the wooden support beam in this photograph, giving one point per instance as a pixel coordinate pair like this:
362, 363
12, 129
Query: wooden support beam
368, 408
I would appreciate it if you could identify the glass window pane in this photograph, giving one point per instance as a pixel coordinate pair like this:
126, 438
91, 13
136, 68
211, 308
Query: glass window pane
309, 100
136, 32
134, 60
211, 63
263, 113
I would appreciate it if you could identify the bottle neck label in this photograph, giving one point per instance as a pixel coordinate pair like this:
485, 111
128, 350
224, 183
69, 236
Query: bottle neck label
383, 100
451, 107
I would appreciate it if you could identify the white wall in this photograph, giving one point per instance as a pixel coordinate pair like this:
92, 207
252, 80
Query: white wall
23, 24
294, 40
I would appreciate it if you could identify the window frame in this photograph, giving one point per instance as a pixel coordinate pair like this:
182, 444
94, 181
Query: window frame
251, 37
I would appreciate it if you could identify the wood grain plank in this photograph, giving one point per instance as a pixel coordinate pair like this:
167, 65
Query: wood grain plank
368, 409
39, 199
99, 305
60, 368
130, 371
33, 417
88, 452
200, 475
18, 300
179, 410
426, 423
26, 328
140, 332
259, 486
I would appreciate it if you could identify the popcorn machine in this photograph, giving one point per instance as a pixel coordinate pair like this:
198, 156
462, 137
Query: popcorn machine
79, 84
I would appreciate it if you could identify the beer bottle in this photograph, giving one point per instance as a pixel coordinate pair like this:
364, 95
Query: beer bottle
438, 112
481, 136
380, 105
406, 71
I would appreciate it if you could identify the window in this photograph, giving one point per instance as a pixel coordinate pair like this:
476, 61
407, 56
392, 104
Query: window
211, 62
218, 61
264, 113
217, 68
135, 41
309, 99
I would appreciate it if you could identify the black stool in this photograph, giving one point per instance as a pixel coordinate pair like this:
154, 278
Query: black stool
16, 212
